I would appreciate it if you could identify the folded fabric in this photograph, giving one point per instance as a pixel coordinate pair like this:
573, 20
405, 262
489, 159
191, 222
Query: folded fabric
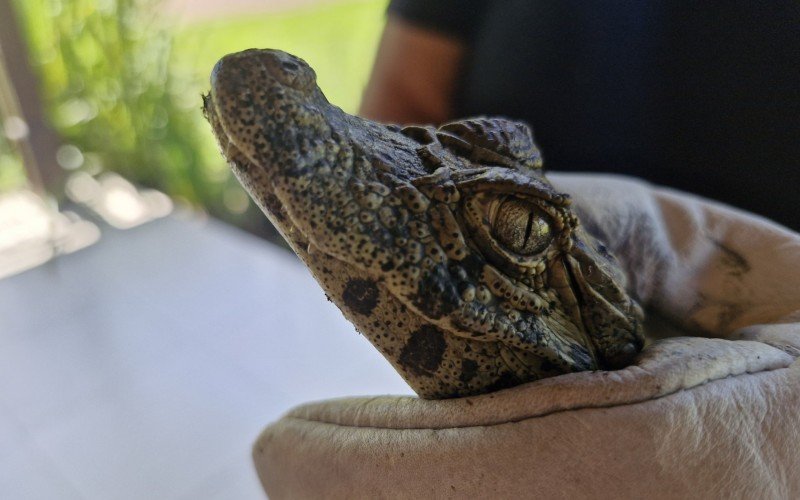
714, 415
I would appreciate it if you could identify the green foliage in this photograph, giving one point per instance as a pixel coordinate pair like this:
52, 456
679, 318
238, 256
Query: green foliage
338, 40
110, 91
125, 89
12, 175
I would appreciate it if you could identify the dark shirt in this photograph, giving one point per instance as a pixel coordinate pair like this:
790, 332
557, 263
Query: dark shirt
701, 96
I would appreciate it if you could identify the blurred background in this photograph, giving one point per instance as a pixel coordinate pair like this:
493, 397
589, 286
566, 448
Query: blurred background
145, 340
120, 84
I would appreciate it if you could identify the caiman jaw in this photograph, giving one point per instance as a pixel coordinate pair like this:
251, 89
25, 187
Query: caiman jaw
228, 149
612, 312
564, 281
447, 248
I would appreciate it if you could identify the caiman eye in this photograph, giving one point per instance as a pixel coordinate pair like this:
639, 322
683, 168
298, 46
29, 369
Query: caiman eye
520, 226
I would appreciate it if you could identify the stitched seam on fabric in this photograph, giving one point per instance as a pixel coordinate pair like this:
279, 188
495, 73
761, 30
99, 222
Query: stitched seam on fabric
541, 415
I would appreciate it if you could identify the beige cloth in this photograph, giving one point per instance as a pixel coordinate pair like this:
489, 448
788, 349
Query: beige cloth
693, 418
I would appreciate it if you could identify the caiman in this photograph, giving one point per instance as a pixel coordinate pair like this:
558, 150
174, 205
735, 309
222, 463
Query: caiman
447, 247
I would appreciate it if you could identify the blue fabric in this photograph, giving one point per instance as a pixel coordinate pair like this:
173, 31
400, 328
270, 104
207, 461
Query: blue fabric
459, 18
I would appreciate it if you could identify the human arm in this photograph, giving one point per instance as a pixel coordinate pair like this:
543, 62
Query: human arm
415, 75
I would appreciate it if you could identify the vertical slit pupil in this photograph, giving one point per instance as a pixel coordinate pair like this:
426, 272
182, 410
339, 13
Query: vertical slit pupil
528, 229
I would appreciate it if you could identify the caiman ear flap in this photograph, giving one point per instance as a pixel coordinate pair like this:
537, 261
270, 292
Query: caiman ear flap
492, 141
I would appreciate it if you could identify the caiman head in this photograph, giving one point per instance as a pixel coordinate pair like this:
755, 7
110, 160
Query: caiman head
447, 248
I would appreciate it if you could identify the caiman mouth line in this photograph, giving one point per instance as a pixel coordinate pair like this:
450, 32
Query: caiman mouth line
241, 164
580, 297
581, 302
229, 150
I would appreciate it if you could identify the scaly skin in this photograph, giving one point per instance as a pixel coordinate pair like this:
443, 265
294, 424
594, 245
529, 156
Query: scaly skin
447, 248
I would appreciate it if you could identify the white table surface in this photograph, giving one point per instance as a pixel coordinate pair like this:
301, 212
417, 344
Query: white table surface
145, 365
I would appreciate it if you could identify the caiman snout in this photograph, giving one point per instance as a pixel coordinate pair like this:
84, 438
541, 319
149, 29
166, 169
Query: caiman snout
606, 310
258, 66
267, 106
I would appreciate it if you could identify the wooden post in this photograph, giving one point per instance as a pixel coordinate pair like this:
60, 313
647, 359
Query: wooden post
20, 99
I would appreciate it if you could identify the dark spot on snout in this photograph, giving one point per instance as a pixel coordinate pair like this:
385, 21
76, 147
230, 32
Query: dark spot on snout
603, 250
437, 295
423, 352
548, 367
469, 369
504, 381
273, 204
361, 296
